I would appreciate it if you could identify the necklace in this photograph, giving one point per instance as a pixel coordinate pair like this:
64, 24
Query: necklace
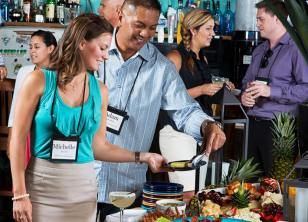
74, 85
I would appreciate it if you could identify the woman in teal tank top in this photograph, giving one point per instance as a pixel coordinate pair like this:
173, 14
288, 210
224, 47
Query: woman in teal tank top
65, 108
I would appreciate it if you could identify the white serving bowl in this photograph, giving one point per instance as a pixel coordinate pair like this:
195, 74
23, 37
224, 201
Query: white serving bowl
164, 204
129, 215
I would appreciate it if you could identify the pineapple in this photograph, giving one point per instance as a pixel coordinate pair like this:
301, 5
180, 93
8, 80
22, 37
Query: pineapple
242, 170
284, 139
240, 199
194, 207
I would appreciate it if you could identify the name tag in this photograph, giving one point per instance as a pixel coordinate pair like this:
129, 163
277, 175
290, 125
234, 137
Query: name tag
115, 119
64, 148
262, 80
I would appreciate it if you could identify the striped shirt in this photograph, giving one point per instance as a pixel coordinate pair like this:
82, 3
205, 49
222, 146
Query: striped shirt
158, 86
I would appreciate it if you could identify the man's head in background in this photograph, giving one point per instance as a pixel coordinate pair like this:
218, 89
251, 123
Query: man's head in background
110, 9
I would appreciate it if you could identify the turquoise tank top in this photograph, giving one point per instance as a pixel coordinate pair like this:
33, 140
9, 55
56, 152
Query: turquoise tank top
65, 119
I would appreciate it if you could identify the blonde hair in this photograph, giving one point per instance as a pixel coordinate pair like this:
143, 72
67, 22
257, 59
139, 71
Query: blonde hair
66, 58
194, 19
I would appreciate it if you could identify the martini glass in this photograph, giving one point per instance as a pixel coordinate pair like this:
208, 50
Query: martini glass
122, 200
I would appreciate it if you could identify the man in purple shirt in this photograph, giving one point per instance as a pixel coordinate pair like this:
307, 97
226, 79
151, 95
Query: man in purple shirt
276, 81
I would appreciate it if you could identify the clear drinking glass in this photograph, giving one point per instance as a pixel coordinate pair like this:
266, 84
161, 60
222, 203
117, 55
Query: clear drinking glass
218, 79
122, 200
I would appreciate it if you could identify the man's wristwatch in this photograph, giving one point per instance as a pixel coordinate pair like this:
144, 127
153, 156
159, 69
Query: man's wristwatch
137, 157
206, 123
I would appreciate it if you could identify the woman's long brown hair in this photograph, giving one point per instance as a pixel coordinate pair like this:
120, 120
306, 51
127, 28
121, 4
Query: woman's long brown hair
66, 58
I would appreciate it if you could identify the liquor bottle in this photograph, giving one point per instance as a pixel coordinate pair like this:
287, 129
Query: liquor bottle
198, 3
67, 12
50, 10
160, 29
171, 23
180, 17
26, 10
39, 16
190, 4
218, 19
228, 26
16, 14
207, 6
60, 11
75, 7
4, 10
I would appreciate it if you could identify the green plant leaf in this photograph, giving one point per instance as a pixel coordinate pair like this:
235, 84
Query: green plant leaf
299, 18
304, 5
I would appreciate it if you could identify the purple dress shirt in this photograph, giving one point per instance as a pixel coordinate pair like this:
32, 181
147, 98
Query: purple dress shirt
288, 74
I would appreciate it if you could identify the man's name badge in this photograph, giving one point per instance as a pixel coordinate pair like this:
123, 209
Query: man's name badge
64, 148
262, 80
115, 119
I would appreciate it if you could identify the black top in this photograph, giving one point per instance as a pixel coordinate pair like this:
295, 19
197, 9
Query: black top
200, 76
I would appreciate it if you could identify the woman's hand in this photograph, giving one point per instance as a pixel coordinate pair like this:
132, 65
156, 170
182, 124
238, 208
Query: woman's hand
230, 85
211, 88
155, 161
22, 210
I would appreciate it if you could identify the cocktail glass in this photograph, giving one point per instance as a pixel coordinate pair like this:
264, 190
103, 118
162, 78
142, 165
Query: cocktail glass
122, 200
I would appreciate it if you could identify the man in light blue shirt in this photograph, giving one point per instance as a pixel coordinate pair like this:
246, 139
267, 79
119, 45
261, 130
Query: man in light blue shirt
141, 81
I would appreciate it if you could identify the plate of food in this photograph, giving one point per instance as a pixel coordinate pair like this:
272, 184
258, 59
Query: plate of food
184, 165
208, 219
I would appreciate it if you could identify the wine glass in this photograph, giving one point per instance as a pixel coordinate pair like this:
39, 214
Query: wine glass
122, 200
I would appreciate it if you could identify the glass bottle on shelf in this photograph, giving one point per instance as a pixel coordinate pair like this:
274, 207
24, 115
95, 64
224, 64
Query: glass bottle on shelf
198, 3
171, 23
180, 17
190, 4
67, 12
160, 29
26, 10
218, 19
228, 26
60, 11
33, 11
4, 10
39, 16
16, 14
207, 6
50, 10
75, 8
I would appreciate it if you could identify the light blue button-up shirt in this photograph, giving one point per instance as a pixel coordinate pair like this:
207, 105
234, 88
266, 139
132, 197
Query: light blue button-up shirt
158, 86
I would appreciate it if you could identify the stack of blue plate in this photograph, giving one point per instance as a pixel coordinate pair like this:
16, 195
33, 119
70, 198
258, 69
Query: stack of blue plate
154, 191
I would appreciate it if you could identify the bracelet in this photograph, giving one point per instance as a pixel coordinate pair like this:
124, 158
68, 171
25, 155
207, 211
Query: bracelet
137, 157
20, 196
